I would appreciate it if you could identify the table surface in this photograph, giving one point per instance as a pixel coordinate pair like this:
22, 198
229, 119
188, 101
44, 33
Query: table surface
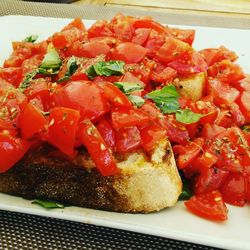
229, 8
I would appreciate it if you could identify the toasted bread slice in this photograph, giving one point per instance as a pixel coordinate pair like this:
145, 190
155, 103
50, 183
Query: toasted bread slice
145, 184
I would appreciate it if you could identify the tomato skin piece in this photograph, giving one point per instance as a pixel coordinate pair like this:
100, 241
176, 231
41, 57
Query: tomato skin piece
12, 75
209, 206
127, 139
127, 117
90, 49
191, 151
85, 96
115, 95
107, 133
149, 24
233, 190
63, 125
97, 149
172, 50
31, 121
12, 150
129, 52
151, 136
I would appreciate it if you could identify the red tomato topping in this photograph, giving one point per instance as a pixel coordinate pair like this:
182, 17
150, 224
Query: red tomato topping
11, 150
208, 205
97, 149
63, 124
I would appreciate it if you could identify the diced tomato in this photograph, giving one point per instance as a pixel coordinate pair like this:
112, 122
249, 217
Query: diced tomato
141, 35
164, 75
191, 63
12, 75
100, 28
172, 49
66, 38
11, 150
90, 49
63, 124
233, 189
85, 96
31, 121
222, 93
176, 132
154, 43
247, 183
129, 52
211, 131
209, 206
122, 27
210, 179
150, 109
31, 64
35, 48
97, 149
77, 23
107, 133
127, 117
217, 55
17, 57
237, 116
186, 36
149, 24
226, 72
127, 138
129, 77
151, 136
190, 152
244, 100
115, 95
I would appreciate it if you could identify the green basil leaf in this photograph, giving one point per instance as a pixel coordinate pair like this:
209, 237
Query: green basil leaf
28, 78
72, 66
186, 193
31, 39
51, 62
128, 87
187, 116
110, 68
166, 99
246, 128
136, 100
47, 204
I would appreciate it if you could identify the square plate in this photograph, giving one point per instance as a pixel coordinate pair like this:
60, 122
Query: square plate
175, 223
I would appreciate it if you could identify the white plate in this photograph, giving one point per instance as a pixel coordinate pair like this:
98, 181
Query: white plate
175, 222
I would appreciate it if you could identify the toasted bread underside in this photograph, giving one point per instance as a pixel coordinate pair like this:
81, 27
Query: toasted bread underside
144, 185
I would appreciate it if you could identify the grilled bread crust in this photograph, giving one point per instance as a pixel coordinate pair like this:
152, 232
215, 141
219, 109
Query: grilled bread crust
153, 185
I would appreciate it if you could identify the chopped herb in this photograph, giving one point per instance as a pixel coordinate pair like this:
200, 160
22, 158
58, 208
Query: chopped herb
186, 193
28, 78
128, 87
110, 68
31, 39
47, 204
72, 66
51, 63
246, 128
187, 116
166, 99
136, 100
